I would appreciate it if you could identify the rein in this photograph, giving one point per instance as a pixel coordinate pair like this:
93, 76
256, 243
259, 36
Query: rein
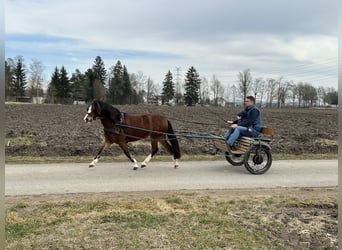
185, 134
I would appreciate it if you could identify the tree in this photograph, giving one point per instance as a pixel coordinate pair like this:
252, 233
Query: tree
168, 92
256, 86
331, 98
150, 90
310, 94
300, 89
205, 99
89, 85
138, 82
78, 86
283, 91
9, 76
117, 87
244, 79
36, 78
271, 86
192, 87
127, 87
217, 89
52, 89
64, 86
320, 94
19, 82
99, 91
100, 70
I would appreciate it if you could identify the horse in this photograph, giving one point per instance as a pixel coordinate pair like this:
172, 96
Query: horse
122, 128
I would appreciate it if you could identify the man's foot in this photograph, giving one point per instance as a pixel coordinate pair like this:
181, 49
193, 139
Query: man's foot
233, 149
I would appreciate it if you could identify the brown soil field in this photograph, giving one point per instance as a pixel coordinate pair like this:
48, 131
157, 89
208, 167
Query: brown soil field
59, 130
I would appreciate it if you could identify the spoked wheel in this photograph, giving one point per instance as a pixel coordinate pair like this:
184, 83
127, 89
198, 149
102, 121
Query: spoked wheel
258, 159
234, 159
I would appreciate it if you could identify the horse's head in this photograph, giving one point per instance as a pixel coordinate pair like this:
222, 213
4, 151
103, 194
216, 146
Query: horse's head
93, 111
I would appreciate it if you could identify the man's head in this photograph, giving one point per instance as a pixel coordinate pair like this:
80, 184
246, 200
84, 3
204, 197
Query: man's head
249, 101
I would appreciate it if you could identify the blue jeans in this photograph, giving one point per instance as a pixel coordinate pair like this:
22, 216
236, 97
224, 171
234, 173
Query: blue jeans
234, 134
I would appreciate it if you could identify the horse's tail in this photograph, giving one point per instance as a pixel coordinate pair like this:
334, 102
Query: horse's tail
173, 140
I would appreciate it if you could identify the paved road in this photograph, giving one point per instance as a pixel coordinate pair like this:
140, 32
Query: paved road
32, 179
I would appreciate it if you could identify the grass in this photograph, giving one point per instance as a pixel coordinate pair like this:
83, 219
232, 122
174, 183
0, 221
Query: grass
23, 140
178, 220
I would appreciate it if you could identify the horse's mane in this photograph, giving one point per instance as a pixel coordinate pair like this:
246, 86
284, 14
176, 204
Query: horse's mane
109, 111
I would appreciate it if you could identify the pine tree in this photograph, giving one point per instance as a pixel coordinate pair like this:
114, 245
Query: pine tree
89, 85
64, 87
52, 89
127, 87
192, 87
116, 87
77, 82
9, 76
168, 92
18, 86
100, 70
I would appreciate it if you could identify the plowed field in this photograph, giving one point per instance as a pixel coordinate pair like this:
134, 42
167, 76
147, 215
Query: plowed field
59, 130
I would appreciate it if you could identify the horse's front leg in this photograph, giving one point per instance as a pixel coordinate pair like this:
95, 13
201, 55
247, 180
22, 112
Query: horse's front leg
97, 157
124, 148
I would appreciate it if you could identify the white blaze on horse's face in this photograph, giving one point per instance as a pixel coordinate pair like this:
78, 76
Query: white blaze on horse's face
88, 117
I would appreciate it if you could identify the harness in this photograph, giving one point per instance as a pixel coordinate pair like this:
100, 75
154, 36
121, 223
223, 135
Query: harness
117, 127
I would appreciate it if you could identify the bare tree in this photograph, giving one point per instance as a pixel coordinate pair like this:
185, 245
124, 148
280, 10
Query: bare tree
150, 89
205, 91
321, 94
244, 80
36, 78
139, 81
271, 86
258, 87
262, 89
217, 89
234, 92
283, 91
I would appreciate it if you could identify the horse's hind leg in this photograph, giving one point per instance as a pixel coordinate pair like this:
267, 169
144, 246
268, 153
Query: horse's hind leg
168, 147
154, 145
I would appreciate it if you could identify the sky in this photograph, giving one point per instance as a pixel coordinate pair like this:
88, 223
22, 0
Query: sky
296, 39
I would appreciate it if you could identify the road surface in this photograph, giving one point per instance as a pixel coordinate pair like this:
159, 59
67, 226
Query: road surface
34, 179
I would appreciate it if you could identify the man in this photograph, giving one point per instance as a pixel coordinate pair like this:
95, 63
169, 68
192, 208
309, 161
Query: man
248, 123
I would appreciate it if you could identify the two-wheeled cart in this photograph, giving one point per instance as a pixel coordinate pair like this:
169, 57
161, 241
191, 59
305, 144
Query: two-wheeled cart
252, 152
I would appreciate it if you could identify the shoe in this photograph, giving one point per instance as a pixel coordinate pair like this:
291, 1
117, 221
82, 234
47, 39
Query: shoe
234, 150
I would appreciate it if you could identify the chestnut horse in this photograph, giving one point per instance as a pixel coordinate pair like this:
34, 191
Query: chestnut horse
121, 128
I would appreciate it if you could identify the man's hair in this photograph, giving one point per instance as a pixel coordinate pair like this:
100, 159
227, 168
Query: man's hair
251, 98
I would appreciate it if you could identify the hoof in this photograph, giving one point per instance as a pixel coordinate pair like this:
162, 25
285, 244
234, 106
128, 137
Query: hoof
135, 168
91, 166
143, 166
176, 166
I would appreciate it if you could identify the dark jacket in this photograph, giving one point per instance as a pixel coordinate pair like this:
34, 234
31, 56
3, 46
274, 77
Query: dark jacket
252, 119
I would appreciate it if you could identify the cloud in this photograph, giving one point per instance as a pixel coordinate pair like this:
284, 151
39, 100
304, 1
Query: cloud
216, 37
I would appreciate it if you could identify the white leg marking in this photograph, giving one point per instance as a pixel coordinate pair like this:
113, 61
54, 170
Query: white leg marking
92, 164
176, 163
147, 160
135, 165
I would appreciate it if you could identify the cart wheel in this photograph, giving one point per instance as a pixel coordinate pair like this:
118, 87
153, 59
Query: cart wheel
234, 159
258, 159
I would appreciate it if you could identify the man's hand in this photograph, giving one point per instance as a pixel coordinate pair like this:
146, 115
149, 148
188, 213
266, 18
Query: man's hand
233, 125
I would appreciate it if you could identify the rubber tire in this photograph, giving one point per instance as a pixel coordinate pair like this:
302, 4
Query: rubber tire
234, 162
250, 155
